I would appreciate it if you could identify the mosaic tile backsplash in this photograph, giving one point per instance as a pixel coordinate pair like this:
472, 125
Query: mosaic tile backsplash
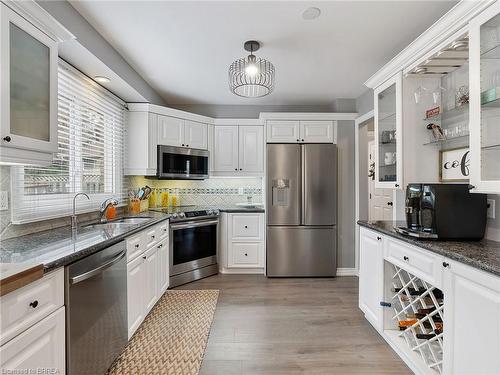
213, 191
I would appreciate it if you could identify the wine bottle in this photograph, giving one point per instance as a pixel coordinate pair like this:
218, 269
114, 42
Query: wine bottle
427, 310
425, 336
436, 317
411, 291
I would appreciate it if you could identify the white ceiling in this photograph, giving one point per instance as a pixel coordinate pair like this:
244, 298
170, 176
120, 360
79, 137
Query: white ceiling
183, 48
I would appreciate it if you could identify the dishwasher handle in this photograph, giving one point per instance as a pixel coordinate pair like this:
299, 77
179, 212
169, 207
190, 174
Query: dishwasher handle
95, 271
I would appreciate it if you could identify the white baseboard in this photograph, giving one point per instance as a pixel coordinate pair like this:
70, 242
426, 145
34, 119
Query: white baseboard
242, 271
347, 272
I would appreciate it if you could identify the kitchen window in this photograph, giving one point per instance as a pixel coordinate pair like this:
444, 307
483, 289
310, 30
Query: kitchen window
90, 157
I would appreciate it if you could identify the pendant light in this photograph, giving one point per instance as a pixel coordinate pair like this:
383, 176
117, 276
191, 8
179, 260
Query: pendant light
251, 77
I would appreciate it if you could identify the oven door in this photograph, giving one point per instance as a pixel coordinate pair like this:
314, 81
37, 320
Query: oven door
182, 163
193, 245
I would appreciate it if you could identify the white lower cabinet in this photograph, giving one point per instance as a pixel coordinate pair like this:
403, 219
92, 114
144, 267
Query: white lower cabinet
469, 307
38, 350
242, 243
472, 321
147, 275
136, 280
371, 275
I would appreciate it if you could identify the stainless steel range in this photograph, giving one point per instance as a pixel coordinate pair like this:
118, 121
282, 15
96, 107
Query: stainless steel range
193, 244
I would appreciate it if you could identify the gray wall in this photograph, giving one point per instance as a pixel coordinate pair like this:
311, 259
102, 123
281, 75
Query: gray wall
364, 102
346, 194
88, 37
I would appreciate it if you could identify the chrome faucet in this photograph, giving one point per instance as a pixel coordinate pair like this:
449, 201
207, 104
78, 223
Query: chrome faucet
74, 221
104, 206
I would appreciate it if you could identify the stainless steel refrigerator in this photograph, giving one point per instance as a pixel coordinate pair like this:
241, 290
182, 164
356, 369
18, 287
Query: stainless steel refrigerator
301, 210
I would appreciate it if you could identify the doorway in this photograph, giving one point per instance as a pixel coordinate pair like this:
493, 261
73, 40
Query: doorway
380, 202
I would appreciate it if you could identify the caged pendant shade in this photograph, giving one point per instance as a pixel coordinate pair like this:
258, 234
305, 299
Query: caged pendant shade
251, 77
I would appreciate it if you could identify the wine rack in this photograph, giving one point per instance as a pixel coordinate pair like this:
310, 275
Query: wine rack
418, 313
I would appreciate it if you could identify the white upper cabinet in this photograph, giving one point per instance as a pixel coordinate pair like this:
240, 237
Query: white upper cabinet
283, 131
484, 57
388, 133
225, 152
28, 99
239, 149
174, 131
170, 131
147, 128
195, 135
316, 131
251, 148
304, 131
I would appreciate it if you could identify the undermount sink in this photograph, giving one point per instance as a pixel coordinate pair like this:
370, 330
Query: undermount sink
119, 223
131, 220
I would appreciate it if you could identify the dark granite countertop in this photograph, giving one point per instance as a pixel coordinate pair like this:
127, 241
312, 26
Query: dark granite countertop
484, 254
58, 247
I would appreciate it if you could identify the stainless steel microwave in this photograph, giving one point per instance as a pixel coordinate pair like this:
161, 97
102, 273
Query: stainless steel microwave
179, 163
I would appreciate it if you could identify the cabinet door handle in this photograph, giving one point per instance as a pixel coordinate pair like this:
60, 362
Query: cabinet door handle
385, 304
302, 140
137, 246
396, 185
246, 254
153, 236
246, 226
235, 169
183, 144
7, 138
379, 238
406, 258
187, 145
389, 203
160, 246
144, 257
34, 304
446, 264
298, 140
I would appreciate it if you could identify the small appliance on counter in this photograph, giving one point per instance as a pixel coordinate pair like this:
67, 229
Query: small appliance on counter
444, 211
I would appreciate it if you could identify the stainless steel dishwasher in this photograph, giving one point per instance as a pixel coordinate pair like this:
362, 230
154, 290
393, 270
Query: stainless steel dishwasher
96, 311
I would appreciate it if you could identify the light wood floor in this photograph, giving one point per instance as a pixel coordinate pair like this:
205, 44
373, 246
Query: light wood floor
292, 326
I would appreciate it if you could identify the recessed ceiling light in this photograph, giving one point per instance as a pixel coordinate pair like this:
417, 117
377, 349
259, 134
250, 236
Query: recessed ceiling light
102, 79
311, 13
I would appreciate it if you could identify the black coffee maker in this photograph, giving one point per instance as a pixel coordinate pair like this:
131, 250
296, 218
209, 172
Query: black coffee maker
444, 211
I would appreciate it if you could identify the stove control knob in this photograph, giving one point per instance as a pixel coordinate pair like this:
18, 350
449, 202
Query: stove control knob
210, 212
182, 215
174, 216
216, 212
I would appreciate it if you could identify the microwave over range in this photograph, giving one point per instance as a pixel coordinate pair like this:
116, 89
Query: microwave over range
179, 163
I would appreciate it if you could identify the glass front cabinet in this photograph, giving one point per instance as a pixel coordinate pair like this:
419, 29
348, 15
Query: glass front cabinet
28, 98
484, 57
388, 133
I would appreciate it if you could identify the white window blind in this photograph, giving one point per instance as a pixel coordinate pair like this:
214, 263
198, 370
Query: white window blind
91, 132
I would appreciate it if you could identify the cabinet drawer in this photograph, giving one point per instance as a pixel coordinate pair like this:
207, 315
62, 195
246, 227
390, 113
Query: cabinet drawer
135, 247
163, 230
151, 236
418, 262
247, 227
26, 306
245, 254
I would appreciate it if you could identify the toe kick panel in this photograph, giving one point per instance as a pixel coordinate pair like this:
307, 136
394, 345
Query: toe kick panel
301, 251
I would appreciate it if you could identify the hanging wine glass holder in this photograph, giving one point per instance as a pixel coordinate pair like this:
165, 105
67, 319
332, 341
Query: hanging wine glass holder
418, 313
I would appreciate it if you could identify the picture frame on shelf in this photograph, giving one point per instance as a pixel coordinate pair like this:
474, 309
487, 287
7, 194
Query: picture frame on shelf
454, 165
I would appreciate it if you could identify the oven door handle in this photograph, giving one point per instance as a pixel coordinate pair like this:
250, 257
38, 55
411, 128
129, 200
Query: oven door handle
193, 224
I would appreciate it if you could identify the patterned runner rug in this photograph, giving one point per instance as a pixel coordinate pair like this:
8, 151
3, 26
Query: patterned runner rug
172, 338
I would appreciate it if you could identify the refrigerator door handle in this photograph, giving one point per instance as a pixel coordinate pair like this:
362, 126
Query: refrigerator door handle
302, 185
